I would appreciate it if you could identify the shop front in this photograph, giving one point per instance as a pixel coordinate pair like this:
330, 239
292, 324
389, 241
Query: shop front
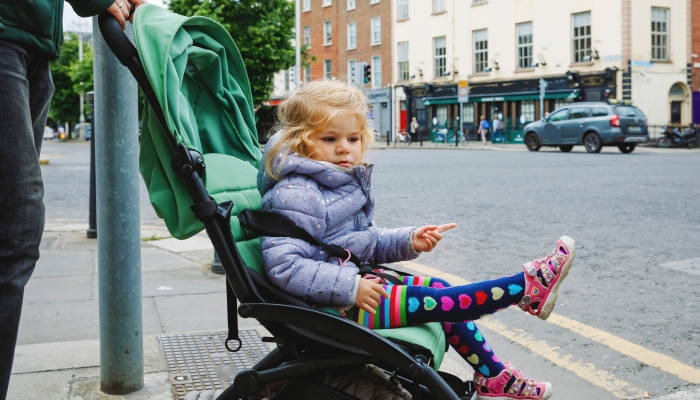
515, 102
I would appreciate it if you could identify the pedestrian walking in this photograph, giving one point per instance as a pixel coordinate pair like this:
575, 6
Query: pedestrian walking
483, 128
30, 37
497, 124
414, 128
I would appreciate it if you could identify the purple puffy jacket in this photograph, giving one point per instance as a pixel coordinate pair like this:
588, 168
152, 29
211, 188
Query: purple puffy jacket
335, 205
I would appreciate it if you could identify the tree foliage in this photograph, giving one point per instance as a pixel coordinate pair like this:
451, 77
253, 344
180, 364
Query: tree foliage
262, 29
67, 73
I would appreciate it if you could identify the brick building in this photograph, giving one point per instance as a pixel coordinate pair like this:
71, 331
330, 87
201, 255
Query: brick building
320, 31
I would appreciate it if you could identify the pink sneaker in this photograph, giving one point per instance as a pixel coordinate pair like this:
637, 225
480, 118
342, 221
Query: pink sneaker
510, 384
541, 291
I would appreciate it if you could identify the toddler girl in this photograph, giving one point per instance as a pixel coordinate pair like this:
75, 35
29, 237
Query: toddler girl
314, 173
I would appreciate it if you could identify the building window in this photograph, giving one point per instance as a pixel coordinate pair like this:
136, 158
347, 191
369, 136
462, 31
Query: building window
307, 5
352, 35
439, 57
327, 3
481, 50
527, 109
479, 1
582, 37
307, 73
328, 69
559, 103
402, 9
374, 1
376, 34
403, 61
307, 36
286, 80
468, 113
524, 32
351, 71
441, 114
352, 4
659, 34
377, 71
327, 33
439, 6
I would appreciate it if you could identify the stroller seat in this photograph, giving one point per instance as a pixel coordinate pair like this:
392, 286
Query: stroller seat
199, 158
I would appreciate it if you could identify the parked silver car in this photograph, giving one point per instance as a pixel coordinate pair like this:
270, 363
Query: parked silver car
593, 125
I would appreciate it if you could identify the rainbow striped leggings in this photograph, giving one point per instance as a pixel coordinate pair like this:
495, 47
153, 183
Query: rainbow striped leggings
425, 299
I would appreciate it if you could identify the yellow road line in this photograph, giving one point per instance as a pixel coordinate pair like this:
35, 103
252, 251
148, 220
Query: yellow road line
657, 360
587, 371
654, 359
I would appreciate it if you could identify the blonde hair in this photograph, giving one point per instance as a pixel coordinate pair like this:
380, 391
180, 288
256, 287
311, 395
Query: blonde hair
309, 110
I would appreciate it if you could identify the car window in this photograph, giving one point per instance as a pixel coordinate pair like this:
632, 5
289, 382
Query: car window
558, 115
599, 111
578, 112
629, 111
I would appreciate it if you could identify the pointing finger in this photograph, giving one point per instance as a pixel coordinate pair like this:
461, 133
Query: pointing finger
446, 227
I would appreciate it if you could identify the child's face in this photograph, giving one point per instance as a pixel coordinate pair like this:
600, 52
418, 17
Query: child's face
339, 142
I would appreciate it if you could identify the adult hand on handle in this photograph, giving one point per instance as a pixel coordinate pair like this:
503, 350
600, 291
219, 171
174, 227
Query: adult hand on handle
426, 237
120, 10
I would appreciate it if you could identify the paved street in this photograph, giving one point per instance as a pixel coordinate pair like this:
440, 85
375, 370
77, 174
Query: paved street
635, 280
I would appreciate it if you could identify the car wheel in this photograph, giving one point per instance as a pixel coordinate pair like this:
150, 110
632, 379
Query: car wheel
663, 142
532, 142
627, 148
565, 148
593, 143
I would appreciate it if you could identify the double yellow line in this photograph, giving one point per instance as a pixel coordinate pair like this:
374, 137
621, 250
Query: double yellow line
603, 379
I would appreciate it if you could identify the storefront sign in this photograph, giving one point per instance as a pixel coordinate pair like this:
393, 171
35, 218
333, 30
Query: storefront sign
490, 99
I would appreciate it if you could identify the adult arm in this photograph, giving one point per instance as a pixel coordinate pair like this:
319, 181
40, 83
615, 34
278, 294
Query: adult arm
118, 8
290, 263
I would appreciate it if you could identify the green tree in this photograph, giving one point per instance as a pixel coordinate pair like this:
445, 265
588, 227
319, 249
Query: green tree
262, 29
67, 73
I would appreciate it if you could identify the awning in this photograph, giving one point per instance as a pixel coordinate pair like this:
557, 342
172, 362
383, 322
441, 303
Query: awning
525, 96
432, 101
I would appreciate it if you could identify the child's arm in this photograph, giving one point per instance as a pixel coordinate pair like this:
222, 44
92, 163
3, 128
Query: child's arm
404, 244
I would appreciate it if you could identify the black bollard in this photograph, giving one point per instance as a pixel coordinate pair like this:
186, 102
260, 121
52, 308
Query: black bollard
92, 230
216, 266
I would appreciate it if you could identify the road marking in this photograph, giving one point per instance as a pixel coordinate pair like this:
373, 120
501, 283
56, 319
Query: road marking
587, 371
654, 359
657, 360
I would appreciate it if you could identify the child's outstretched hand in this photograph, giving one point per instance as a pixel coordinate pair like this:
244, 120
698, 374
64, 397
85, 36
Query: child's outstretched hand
426, 237
369, 293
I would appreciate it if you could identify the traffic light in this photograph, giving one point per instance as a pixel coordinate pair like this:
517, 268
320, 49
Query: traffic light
367, 73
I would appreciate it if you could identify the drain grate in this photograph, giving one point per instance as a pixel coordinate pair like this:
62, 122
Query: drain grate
200, 361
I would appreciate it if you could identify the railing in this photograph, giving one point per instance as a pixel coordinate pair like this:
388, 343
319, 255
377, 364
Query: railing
446, 134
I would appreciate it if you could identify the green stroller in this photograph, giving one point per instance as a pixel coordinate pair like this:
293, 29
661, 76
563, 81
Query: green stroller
199, 157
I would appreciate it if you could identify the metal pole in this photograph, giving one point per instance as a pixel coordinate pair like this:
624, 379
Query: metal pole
459, 129
118, 222
92, 230
297, 74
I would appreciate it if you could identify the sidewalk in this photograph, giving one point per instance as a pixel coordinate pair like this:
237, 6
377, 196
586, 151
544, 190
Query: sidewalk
58, 351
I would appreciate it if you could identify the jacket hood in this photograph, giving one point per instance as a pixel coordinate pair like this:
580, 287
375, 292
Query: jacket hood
326, 174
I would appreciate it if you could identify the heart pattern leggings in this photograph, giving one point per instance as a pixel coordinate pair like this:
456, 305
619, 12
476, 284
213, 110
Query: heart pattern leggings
425, 299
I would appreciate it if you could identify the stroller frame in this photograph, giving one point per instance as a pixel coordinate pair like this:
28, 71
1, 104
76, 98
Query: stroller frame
308, 340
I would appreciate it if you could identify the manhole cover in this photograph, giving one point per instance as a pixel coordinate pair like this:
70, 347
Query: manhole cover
200, 361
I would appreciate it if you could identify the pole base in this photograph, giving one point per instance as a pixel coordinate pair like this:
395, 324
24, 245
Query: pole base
92, 233
216, 266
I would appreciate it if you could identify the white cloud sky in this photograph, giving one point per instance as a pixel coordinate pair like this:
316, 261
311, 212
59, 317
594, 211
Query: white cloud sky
72, 22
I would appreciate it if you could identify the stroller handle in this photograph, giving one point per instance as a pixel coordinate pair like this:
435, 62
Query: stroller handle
126, 53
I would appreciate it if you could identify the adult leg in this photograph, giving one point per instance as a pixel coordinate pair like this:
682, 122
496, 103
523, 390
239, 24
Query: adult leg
25, 93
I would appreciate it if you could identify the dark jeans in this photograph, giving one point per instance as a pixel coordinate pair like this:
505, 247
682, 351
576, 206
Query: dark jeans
25, 93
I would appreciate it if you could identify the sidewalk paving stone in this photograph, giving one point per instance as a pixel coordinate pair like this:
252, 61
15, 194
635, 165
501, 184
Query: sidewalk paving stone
62, 263
58, 289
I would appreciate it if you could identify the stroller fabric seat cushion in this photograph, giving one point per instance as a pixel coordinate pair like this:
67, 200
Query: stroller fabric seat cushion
201, 83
